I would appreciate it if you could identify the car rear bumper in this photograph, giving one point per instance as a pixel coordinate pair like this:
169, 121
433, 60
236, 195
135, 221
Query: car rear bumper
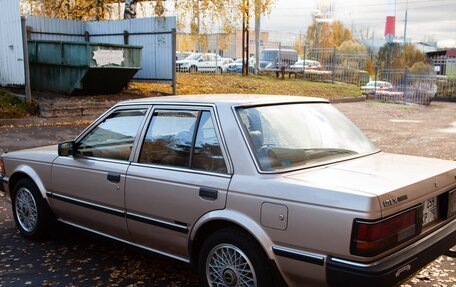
395, 268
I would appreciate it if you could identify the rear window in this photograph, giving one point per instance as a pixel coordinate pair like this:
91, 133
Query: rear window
299, 135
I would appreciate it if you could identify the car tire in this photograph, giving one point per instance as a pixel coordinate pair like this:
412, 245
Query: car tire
245, 256
31, 212
193, 69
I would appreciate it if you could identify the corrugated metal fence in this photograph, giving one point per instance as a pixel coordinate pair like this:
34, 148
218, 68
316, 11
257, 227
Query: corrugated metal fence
11, 50
155, 35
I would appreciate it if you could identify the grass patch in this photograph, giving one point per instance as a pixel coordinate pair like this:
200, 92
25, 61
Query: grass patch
238, 84
13, 107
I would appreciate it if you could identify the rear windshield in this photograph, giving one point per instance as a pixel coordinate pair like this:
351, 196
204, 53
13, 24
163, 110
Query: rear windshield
291, 136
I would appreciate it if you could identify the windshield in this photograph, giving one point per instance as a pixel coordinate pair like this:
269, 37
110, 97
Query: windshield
268, 55
193, 57
296, 135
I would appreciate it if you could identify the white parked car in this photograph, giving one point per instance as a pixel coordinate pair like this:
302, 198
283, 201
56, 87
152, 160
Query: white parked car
376, 86
252, 190
201, 62
226, 62
182, 55
306, 65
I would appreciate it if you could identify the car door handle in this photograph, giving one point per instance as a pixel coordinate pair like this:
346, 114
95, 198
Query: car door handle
208, 193
113, 177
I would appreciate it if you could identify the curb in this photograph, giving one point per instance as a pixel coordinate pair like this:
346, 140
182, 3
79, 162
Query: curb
348, 100
44, 121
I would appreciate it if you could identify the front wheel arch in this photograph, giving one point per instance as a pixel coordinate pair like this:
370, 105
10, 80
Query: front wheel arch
31, 212
14, 179
25, 171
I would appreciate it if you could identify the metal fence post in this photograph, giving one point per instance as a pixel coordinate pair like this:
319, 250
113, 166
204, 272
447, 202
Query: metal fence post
28, 91
173, 55
375, 83
216, 55
125, 35
304, 64
279, 58
87, 36
334, 65
405, 85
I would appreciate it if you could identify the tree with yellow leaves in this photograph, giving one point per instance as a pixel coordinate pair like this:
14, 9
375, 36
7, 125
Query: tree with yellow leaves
327, 34
398, 56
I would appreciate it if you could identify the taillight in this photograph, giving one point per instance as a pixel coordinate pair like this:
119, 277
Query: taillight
371, 238
2, 167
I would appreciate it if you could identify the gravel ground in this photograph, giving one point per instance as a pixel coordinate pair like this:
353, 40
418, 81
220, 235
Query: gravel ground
76, 258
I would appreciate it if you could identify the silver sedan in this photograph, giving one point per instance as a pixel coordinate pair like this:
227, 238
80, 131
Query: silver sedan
252, 190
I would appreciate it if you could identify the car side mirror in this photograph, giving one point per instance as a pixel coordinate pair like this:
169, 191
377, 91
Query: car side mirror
67, 148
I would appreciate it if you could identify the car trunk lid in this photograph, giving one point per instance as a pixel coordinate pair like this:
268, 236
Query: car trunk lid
399, 181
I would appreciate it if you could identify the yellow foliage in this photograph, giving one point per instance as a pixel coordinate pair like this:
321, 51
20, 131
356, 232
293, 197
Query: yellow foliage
326, 35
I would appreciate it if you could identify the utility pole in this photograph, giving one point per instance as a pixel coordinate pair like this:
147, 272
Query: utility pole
257, 34
198, 43
405, 23
245, 37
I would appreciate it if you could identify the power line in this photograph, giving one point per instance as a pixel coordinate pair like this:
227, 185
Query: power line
451, 2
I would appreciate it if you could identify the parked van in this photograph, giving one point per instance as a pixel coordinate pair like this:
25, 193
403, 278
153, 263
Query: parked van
277, 58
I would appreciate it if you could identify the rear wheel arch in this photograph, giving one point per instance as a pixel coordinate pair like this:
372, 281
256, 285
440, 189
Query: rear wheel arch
224, 228
211, 226
203, 232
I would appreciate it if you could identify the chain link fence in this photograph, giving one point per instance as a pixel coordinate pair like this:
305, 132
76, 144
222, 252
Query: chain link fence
401, 86
222, 54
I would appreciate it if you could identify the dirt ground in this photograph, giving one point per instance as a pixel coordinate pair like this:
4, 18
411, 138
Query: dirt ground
424, 131
76, 258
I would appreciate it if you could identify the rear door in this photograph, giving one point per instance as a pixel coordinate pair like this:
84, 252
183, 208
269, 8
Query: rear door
181, 172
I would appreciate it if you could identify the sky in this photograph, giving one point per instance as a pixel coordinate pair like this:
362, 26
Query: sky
428, 20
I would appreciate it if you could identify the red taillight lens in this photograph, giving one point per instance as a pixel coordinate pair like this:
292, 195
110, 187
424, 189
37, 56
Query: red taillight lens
371, 238
2, 167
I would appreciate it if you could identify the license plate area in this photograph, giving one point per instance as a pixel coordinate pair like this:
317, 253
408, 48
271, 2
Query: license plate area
430, 211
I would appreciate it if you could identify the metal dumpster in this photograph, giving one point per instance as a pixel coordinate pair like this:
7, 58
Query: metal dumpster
82, 67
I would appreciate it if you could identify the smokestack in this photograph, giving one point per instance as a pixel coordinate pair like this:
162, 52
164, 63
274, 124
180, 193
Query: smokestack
390, 26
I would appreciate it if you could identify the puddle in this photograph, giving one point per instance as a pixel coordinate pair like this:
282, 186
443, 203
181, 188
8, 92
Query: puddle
450, 130
406, 121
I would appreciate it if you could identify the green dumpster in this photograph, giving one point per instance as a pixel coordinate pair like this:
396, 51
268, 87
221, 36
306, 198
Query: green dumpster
82, 67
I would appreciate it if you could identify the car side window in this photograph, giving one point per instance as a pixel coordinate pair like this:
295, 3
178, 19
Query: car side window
113, 138
207, 154
170, 140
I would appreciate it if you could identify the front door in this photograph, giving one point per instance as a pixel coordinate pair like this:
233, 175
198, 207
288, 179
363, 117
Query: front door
88, 189
181, 173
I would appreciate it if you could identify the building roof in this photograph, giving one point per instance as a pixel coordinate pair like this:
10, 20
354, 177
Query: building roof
448, 53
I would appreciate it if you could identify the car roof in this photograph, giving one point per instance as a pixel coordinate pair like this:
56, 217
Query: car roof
226, 100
